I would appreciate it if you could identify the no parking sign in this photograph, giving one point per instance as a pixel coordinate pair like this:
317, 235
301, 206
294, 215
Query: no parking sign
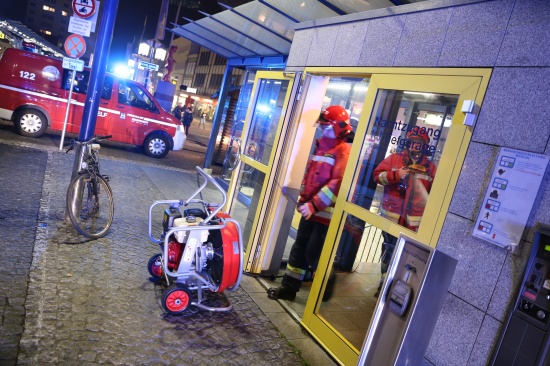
75, 45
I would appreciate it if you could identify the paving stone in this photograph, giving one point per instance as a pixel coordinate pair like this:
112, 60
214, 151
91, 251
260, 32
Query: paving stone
90, 301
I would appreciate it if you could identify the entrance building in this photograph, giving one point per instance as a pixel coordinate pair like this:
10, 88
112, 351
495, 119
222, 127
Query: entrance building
473, 77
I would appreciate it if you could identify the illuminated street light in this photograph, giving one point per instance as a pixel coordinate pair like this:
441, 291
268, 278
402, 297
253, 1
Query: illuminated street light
160, 54
144, 49
149, 49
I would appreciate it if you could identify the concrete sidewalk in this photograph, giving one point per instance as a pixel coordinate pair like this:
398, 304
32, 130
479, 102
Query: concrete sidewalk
69, 301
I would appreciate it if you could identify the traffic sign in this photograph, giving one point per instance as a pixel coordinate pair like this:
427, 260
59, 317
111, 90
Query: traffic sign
73, 64
75, 45
80, 26
84, 8
148, 66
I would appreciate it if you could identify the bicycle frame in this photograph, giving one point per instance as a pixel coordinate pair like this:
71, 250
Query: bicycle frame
85, 182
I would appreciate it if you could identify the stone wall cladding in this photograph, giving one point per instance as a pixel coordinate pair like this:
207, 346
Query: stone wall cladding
509, 36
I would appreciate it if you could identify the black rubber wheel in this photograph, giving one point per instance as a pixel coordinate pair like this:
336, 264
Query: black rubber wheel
155, 266
176, 299
156, 145
31, 122
91, 214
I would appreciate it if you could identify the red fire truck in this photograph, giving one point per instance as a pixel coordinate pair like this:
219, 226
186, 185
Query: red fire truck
34, 92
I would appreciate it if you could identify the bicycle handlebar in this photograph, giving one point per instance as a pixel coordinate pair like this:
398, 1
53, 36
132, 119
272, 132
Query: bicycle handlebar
90, 141
97, 138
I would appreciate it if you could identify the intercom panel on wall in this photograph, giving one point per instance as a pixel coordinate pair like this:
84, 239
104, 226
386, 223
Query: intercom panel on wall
409, 304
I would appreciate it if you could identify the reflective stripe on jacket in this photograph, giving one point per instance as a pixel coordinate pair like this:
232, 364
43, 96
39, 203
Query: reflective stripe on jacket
323, 177
404, 200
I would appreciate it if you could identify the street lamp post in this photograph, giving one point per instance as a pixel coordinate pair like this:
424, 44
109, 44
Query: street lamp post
151, 48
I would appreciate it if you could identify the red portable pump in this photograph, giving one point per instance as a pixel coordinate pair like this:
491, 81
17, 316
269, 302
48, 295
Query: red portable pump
201, 249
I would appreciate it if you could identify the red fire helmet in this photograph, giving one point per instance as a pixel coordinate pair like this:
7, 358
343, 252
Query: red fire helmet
417, 133
337, 117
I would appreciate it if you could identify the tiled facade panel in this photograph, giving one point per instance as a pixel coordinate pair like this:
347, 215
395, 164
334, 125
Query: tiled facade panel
465, 45
512, 37
473, 179
381, 41
479, 262
516, 112
422, 38
527, 35
347, 41
455, 333
322, 45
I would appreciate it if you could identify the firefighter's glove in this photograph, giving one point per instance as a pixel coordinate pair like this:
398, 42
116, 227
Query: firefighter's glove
306, 210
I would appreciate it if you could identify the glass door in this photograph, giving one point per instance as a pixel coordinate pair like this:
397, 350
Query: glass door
256, 153
408, 151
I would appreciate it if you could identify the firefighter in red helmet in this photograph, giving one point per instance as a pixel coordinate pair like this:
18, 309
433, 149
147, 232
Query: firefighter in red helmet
407, 177
320, 187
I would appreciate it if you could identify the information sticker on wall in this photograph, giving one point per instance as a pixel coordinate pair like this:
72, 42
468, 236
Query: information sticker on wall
510, 196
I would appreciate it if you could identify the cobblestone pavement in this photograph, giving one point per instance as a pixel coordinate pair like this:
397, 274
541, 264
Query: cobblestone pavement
20, 194
69, 301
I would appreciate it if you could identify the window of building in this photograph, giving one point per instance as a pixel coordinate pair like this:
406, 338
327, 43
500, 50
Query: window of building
47, 8
204, 58
199, 79
215, 80
46, 32
190, 69
220, 60
64, 13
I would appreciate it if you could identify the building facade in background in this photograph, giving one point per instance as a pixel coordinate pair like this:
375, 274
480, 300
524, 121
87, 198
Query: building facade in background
198, 75
50, 19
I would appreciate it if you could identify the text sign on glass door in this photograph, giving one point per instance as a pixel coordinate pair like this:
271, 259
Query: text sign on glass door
510, 195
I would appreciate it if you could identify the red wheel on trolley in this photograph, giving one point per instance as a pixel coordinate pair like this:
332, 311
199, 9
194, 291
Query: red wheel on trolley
176, 299
155, 266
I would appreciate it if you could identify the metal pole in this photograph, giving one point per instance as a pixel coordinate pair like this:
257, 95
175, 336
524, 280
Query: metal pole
67, 111
93, 95
76, 201
104, 37
172, 33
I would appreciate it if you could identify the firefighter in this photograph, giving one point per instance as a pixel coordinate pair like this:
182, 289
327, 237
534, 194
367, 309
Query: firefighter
407, 177
320, 187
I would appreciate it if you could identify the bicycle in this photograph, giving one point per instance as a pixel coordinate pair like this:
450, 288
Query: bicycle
90, 205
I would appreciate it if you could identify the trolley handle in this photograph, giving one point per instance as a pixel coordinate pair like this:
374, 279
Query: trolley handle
209, 179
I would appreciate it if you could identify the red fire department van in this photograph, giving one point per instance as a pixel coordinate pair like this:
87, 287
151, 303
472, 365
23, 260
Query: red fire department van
34, 91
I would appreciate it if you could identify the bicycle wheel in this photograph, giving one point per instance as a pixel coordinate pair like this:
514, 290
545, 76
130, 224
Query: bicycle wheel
90, 210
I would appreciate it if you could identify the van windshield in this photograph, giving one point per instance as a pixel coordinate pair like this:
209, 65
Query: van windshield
133, 95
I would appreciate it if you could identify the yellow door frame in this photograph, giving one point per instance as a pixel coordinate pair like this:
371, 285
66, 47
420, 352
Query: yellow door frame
469, 84
268, 169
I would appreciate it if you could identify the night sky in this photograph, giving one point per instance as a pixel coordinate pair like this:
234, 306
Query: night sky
130, 20
131, 17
